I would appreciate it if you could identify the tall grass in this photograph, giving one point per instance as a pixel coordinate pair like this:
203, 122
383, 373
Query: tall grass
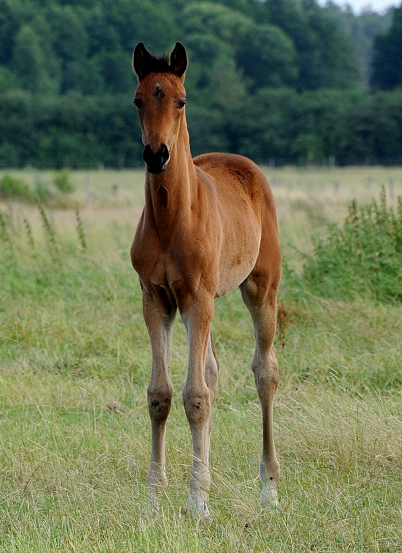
74, 428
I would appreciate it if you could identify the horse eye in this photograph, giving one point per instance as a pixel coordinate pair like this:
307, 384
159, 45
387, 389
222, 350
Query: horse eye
181, 104
137, 102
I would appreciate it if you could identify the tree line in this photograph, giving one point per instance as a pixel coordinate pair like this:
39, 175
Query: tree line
275, 80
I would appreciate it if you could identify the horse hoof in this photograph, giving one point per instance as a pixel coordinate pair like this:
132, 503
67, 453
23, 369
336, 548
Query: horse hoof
198, 509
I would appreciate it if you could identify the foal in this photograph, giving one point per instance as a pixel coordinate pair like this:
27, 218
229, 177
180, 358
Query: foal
208, 226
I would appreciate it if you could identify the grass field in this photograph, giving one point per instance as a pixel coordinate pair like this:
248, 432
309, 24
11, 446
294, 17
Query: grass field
74, 367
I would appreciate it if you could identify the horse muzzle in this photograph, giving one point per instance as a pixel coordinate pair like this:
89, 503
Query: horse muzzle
156, 161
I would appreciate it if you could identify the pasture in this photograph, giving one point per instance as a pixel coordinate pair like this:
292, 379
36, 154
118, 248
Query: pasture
75, 363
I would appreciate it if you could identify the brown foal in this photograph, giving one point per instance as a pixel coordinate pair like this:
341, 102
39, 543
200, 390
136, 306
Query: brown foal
208, 225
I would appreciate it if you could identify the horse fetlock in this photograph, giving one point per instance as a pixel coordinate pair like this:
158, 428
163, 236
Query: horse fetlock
156, 478
199, 492
270, 473
269, 479
200, 479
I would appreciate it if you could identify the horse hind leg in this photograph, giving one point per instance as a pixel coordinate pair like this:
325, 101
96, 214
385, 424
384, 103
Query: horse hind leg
211, 379
261, 303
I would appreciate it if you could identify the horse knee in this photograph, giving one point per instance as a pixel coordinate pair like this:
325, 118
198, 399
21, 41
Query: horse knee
197, 405
159, 403
266, 376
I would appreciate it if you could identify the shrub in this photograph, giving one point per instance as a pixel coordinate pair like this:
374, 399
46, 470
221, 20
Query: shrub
62, 181
11, 187
362, 257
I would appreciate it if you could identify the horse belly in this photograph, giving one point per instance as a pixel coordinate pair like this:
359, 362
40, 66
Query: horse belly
235, 266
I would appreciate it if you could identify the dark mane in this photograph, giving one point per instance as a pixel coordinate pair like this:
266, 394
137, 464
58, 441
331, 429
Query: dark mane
159, 64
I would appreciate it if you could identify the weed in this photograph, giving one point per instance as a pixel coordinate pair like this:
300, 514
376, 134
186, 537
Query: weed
362, 257
49, 230
28, 231
4, 234
80, 230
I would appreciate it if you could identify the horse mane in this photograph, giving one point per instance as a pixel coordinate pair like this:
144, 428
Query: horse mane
159, 64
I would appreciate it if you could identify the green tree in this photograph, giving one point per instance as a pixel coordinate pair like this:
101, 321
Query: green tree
325, 58
70, 43
151, 22
115, 71
7, 79
9, 24
53, 62
267, 56
264, 53
29, 62
360, 30
387, 58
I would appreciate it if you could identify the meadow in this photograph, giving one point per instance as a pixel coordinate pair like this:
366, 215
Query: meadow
74, 367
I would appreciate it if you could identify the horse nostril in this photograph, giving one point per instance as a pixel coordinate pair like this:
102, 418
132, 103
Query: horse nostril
164, 153
147, 154
156, 161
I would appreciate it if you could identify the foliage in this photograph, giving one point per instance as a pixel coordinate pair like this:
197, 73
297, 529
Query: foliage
73, 129
17, 189
59, 47
361, 30
12, 187
278, 124
321, 64
66, 83
63, 182
361, 258
387, 59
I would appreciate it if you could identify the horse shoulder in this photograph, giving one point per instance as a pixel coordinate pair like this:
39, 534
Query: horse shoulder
236, 178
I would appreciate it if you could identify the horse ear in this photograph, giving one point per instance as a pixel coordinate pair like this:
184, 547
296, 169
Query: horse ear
141, 61
178, 60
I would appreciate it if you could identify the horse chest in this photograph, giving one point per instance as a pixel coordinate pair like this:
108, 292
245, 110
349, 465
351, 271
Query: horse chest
164, 272
154, 266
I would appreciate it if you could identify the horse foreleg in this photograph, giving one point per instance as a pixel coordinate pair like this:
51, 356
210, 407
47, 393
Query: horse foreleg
160, 389
198, 399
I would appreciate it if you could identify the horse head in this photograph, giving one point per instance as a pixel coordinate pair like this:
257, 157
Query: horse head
160, 99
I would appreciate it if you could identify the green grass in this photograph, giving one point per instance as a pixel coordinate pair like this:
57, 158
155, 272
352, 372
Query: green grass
74, 428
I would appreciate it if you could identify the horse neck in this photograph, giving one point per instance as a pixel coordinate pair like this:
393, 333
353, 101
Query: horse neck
169, 195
